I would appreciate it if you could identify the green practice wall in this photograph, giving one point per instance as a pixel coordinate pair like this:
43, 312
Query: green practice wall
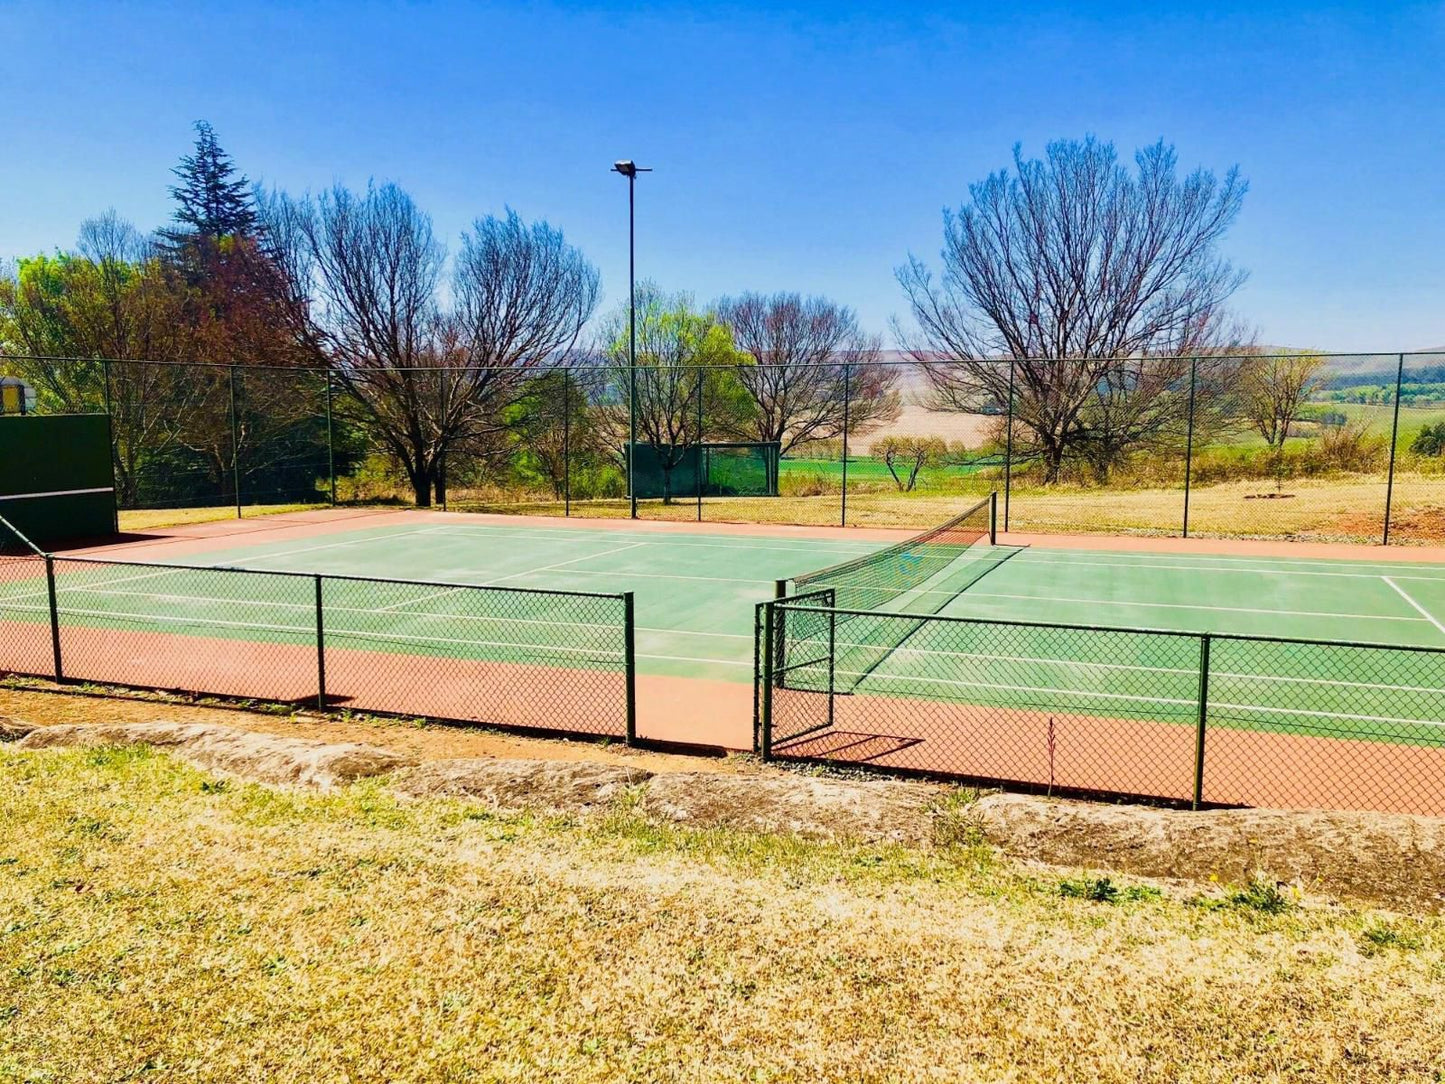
53, 454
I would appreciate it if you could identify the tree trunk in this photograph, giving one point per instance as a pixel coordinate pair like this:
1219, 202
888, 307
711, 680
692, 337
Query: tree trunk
420, 486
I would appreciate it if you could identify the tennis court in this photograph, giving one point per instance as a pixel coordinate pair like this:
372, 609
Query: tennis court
1098, 669
1090, 669
694, 597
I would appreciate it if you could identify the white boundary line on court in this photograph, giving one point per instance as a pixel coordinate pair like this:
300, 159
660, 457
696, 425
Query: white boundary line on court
1062, 556
1137, 667
673, 541
375, 636
1154, 566
1192, 606
1171, 701
561, 564
1428, 615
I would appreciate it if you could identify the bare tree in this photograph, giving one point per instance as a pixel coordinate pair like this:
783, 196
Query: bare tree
906, 456
425, 380
1071, 267
1274, 388
807, 357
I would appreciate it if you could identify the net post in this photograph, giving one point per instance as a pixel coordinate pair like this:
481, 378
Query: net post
765, 729
1394, 437
629, 662
1189, 441
993, 517
54, 617
320, 650
1204, 642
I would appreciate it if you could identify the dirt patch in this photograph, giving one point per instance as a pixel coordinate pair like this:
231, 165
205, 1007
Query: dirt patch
512, 786
258, 757
828, 809
14, 729
423, 742
1394, 861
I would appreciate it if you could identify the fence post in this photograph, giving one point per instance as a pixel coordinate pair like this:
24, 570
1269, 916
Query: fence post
757, 671
1394, 436
1008, 453
54, 617
1189, 441
847, 396
114, 451
701, 449
566, 443
235, 443
832, 656
778, 651
1203, 718
330, 444
629, 657
320, 651
765, 741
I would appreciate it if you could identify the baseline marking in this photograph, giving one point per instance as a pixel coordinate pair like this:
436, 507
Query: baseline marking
1197, 606
1428, 615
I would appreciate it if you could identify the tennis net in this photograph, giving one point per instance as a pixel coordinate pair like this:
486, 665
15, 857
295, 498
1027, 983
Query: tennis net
836, 650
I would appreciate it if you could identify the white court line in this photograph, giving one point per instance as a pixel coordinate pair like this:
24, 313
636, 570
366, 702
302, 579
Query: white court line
563, 564
61, 586
358, 634
1428, 615
1154, 567
310, 607
260, 556
415, 601
1172, 701
1037, 553
1175, 670
673, 542
1194, 606
650, 576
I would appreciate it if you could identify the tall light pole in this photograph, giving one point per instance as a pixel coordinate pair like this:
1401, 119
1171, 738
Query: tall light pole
630, 170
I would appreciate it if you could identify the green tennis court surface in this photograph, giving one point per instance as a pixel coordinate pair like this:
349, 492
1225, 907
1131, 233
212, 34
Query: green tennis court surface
1023, 647
695, 593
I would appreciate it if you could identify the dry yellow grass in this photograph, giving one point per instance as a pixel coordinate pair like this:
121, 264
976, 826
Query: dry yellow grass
1344, 509
144, 519
157, 925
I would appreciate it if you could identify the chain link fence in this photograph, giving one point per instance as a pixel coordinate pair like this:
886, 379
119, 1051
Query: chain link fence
1193, 719
1323, 447
555, 661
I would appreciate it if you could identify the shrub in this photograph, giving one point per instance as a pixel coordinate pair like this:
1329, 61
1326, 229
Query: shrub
1429, 441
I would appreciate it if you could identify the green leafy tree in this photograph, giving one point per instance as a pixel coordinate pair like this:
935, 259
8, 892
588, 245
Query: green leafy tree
686, 368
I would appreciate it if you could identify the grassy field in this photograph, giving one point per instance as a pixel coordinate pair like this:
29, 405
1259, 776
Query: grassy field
158, 924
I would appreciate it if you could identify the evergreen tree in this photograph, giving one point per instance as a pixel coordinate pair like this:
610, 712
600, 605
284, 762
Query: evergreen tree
214, 199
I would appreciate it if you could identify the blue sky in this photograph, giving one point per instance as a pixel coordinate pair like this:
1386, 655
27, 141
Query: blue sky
809, 148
